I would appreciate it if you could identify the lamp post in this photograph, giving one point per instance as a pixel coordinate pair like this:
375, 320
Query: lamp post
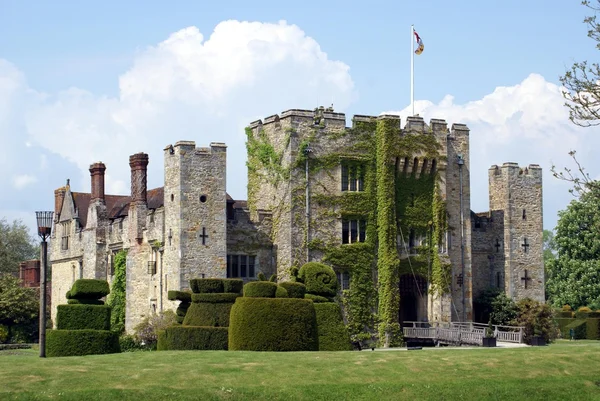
44, 223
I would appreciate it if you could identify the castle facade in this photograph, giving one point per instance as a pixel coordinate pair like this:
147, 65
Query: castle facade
315, 191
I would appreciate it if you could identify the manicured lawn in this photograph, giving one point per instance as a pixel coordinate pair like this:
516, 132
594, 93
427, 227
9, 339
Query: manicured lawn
561, 371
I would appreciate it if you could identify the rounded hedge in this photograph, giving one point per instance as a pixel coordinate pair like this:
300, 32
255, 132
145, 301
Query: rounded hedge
316, 298
215, 298
260, 289
281, 292
193, 338
81, 342
273, 324
333, 334
319, 279
206, 285
89, 289
294, 289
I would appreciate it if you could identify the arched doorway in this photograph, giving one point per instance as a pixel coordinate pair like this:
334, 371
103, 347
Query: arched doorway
413, 298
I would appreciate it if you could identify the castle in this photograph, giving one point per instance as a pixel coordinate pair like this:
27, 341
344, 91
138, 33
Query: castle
315, 190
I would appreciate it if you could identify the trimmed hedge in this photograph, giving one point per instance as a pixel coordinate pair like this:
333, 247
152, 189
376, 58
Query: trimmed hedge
215, 298
562, 324
333, 335
89, 289
82, 316
183, 296
260, 289
273, 324
281, 292
564, 314
74, 301
81, 342
193, 338
206, 285
316, 298
233, 285
593, 329
580, 329
319, 279
294, 289
182, 311
208, 314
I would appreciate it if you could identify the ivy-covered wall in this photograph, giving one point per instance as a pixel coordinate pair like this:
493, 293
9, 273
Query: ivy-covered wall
394, 199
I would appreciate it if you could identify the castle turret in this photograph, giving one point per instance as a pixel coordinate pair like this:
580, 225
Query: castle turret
516, 195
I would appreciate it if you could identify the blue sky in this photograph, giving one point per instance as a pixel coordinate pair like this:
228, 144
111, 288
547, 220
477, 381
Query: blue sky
71, 72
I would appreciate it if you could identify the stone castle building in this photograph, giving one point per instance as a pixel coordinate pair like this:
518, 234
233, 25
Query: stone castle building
309, 191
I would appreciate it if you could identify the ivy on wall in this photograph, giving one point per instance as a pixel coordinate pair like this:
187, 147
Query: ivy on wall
117, 296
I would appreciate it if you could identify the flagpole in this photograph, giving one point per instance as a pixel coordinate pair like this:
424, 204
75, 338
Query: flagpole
412, 69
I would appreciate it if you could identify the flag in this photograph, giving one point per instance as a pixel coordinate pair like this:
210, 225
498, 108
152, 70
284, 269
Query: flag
420, 43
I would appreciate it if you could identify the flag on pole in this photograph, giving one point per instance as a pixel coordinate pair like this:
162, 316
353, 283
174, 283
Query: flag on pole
420, 43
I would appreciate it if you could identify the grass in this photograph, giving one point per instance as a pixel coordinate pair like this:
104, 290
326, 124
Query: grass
562, 371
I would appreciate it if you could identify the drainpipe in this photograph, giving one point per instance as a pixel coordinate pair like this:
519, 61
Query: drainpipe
460, 162
307, 151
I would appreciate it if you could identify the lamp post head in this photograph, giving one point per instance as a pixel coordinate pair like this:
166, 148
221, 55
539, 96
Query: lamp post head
44, 223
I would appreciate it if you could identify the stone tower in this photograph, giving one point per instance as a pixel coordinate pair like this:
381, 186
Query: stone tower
516, 197
195, 213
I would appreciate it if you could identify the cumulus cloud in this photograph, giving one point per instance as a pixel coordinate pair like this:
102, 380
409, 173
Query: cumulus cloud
526, 123
23, 180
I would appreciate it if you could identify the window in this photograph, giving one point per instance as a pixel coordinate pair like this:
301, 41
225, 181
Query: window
353, 231
353, 177
343, 278
241, 266
66, 232
499, 282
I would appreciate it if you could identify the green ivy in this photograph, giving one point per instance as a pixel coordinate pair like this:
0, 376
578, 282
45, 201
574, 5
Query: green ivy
116, 298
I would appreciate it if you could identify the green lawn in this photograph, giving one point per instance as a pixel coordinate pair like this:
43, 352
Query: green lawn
561, 371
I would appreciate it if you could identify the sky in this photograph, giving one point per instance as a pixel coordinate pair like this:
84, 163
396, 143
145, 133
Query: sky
82, 82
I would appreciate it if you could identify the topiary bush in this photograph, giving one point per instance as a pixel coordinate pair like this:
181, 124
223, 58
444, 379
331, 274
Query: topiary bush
210, 310
319, 279
592, 329
89, 289
233, 285
82, 316
294, 289
333, 334
207, 285
582, 313
260, 289
186, 299
74, 301
281, 292
562, 314
316, 298
81, 342
273, 324
579, 328
193, 338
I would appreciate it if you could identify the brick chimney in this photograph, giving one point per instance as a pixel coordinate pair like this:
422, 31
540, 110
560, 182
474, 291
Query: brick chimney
59, 197
97, 174
139, 175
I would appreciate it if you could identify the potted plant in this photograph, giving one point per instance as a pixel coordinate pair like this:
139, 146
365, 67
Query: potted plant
489, 339
538, 338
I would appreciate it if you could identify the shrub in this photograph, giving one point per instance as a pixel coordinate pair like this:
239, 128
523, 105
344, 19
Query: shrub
482, 304
261, 277
233, 285
333, 334
206, 285
273, 324
84, 301
562, 325
582, 313
316, 298
127, 343
567, 308
193, 338
537, 319
281, 292
3, 334
562, 314
183, 296
89, 289
593, 329
208, 314
81, 342
182, 311
215, 298
260, 289
319, 279
579, 327
82, 316
504, 310
294, 289
146, 332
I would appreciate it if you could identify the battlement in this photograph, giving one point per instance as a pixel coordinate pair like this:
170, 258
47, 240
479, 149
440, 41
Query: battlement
326, 117
512, 168
188, 146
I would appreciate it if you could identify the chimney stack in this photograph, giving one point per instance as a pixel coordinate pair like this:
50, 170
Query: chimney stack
97, 173
59, 197
139, 176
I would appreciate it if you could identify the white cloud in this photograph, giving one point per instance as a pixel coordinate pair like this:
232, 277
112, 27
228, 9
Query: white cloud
526, 123
23, 180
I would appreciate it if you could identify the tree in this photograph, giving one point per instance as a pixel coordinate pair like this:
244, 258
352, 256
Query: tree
549, 246
582, 81
18, 305
16, 245
574, 276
